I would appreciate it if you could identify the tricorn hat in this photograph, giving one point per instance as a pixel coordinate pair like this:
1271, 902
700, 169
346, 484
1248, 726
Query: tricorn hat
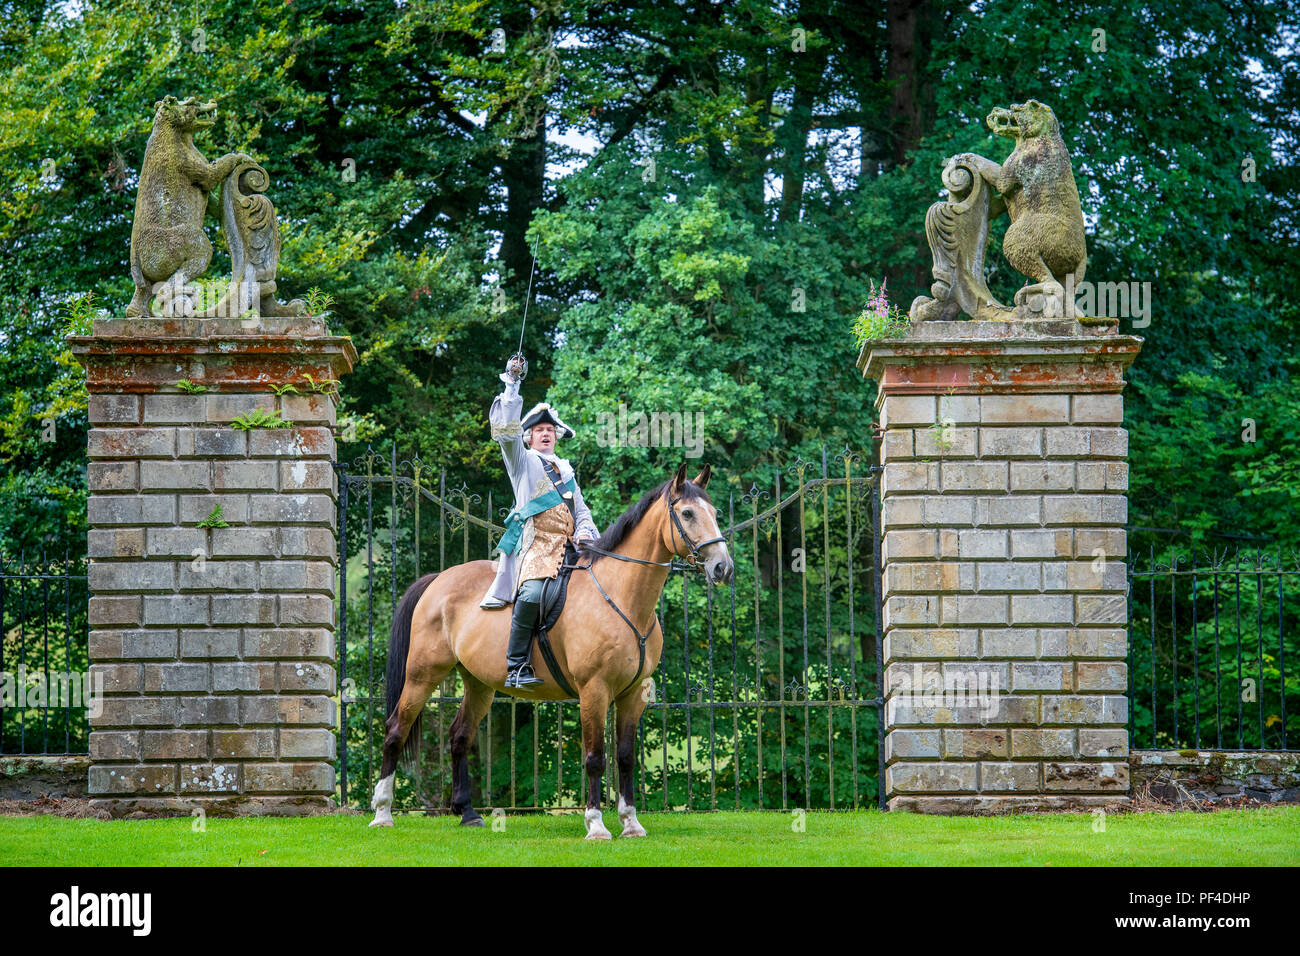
543, 412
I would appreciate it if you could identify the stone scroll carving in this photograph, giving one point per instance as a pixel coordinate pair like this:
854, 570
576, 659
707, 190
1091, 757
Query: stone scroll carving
253, 235
169, 248
958, 232
1044, 242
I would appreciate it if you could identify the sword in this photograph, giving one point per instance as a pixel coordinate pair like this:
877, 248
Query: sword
518, 362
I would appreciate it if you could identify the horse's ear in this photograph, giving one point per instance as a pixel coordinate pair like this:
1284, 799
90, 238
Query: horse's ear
702, 479
679, 481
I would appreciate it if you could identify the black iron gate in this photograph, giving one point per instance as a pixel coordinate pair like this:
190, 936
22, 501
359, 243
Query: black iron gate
1211, 635
45, 690
768, 694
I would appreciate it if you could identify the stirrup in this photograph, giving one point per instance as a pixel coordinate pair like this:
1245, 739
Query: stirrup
523, 677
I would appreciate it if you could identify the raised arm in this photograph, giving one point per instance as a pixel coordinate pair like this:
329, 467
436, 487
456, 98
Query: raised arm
504, 418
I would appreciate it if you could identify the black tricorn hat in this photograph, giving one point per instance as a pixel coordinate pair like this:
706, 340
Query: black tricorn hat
542, 412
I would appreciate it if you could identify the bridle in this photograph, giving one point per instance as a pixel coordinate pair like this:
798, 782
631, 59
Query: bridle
690, 545
672, 564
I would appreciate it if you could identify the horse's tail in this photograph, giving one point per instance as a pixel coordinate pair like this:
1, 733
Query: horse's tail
399, 645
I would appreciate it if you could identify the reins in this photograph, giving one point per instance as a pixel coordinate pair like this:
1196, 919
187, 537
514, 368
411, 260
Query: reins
673, 563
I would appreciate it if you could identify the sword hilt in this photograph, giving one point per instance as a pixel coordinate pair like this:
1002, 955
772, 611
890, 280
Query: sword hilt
518, 366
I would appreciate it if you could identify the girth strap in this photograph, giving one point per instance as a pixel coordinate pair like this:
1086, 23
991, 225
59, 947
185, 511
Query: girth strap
548, 655
550, 610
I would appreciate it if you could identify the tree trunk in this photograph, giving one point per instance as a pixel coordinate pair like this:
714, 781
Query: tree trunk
524, 176
795, 131
907, 59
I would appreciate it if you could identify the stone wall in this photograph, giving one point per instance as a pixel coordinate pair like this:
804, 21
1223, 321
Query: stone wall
33, 777
215, 644
1182, 776
1003, 545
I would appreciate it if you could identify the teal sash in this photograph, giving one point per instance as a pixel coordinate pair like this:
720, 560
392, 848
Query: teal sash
515, 520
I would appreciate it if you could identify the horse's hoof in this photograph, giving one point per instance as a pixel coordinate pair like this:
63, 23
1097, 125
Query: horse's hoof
595, 825
381, 823
474, 821
633, 832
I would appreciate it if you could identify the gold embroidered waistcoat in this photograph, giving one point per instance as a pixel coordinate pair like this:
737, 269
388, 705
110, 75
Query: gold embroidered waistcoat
543, 543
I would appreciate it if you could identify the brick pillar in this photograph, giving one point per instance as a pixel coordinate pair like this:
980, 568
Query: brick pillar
1005, 485
216, 644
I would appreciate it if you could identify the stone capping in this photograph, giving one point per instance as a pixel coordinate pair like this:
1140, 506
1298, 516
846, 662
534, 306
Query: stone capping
966, 330
998, 357
298, 326
150, 355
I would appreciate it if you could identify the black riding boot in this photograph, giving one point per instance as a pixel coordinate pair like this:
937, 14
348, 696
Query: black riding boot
519, 670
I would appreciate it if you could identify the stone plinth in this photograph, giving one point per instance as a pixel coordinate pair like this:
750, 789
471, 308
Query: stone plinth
214, 637
1210, 776
1003, 511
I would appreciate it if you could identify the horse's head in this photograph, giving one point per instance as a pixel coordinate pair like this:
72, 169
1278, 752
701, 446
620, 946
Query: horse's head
692, 531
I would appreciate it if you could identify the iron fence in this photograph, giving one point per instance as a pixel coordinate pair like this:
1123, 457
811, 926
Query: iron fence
43, 656
767, 695
1210, 634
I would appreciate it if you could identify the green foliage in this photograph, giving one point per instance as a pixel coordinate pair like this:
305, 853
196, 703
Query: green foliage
260, 418
78, 312
284, 389
213, 520
327, 386
318, 302
941, 432
1197, 426
732, 182
879, 319
191, 388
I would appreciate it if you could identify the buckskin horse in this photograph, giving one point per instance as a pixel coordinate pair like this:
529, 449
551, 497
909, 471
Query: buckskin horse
606, 642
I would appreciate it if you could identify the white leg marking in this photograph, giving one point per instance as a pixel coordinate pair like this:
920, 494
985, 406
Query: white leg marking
627, 813
382, 804
595, 825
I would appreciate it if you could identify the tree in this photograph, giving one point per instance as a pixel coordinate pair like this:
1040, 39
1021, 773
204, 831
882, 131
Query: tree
795, 150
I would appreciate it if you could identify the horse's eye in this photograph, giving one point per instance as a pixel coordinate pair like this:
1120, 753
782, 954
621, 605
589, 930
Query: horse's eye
688, 514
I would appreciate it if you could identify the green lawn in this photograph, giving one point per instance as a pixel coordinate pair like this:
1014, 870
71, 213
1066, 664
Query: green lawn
1268, 836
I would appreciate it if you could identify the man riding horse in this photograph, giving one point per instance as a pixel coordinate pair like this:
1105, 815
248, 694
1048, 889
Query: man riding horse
548, 511
603, 649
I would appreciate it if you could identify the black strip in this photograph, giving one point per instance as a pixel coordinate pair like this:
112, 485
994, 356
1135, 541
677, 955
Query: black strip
548, 655
553, 473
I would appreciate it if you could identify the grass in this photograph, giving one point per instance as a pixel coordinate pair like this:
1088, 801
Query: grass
1256, 837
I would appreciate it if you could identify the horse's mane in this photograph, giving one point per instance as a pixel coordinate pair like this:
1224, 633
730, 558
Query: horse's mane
620, 529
